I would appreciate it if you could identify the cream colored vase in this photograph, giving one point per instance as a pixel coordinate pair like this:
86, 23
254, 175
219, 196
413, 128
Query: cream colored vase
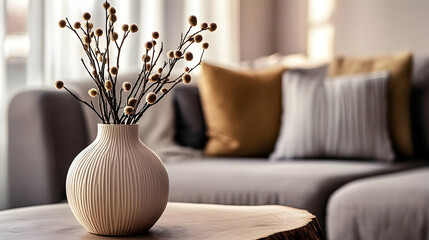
117, 186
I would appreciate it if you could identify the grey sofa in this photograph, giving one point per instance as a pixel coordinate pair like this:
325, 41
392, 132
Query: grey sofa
42, 147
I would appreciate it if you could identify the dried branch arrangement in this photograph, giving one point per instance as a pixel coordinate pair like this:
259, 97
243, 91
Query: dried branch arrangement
154, 80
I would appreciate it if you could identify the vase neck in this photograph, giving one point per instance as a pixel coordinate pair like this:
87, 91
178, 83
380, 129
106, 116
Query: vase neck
118, 132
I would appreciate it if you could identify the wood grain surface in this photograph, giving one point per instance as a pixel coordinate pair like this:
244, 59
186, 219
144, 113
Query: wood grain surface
179, 221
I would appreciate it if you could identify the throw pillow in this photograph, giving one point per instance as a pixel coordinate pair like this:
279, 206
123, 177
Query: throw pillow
242, 110
400, 68
190, 124
345, 118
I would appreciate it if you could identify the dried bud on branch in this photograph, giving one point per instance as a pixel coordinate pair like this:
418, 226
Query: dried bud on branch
204, 26
213, 27
187, 69
62, 23
112, 11
108, 85
178, 54
148, 45
114, 70
77, 25
106, 5
151, 98
93, 92
113, 18
198, 38
132, 102
192, 21
189, 56
205, 45
164, 90
99, 32
86, 40
126, 86
125, 27
89, 25
114, 36
86, 16
134, 28
154, 77
155, 35
148, 67
145, 58
128, 110
170, 54
186, 78
160, 70
59, 84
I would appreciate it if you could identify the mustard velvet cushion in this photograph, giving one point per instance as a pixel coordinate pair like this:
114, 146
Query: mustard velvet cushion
399, 66
242, 110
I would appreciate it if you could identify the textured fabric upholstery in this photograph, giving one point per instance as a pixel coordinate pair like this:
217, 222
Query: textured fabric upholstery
394, 206
46, 131
190, 125
343, 118
420, 106
300, 184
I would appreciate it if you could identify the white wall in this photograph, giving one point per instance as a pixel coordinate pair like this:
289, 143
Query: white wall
256, 28
361, 27
3, 157
375, 27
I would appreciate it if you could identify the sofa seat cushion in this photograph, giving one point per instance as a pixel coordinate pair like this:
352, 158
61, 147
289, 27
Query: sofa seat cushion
301, 184
393, 206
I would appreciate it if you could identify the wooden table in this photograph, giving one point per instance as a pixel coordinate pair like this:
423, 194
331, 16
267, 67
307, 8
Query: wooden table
179, 221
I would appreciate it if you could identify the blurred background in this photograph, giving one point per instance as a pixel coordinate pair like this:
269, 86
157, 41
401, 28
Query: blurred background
36, 52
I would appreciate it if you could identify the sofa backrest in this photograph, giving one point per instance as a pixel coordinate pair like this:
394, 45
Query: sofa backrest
191, 128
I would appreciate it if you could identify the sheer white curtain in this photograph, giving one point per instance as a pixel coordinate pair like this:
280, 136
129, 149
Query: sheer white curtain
3, 107
55, 53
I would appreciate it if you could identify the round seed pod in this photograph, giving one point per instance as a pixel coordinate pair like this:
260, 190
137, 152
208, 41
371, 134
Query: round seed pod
114, 70
178, 53
189, 56
77, 25
93, 92
205, 45
213, 27
113, 18
198, 38
99, 32
129, 110
155, 35
192, 20
186, 78
86, 16
62, 23
134, 28
59, 84
151, 98
132, 102
126, 86
170, 54
125, 27
108, 85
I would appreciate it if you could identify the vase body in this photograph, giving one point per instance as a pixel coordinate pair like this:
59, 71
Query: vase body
117, 186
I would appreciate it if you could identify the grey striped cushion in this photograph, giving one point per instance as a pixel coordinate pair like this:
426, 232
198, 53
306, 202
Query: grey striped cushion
343, 117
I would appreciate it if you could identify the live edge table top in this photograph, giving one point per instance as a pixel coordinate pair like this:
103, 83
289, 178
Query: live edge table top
179, 221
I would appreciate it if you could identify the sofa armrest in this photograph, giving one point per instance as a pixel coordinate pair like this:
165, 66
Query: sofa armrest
46, 131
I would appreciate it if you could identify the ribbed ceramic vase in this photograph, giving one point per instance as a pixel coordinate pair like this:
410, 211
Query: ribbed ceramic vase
117, 186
